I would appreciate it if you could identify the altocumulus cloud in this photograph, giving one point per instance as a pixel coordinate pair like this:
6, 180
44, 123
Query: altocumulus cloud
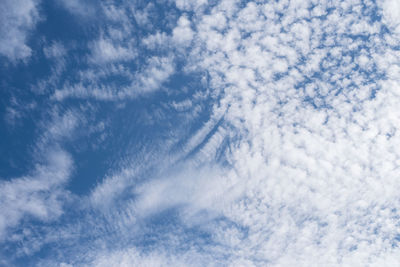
212, 133
18, 18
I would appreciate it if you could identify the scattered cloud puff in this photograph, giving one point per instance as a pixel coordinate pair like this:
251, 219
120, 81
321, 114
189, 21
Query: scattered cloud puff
55, 50
104, 51
17, 110
39, 195
83, 9
189, 5
17, 21
182, 33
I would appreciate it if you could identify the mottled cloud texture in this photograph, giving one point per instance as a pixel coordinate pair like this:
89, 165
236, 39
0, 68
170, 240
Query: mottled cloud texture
285, 149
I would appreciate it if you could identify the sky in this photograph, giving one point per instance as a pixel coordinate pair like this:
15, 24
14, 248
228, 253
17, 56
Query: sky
199, 133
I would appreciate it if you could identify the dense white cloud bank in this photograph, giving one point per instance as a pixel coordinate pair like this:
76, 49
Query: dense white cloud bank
318, 156
309, 94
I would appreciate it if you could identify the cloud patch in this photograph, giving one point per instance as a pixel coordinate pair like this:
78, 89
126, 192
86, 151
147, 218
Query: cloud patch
39, 195
17, 21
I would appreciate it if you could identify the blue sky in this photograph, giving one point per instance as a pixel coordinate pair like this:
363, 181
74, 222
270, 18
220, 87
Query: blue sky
199, 133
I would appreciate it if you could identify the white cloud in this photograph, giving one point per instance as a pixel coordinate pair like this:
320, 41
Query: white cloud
83, 8
114, 56
314, 183
17, 19
60, 127
391, 14
106, 50
41, 194
189, 5
55, 50
311, 171
313, 180
133, 257
38, 195
154, 73
192, 190
182, 33
157, 40
17, 110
